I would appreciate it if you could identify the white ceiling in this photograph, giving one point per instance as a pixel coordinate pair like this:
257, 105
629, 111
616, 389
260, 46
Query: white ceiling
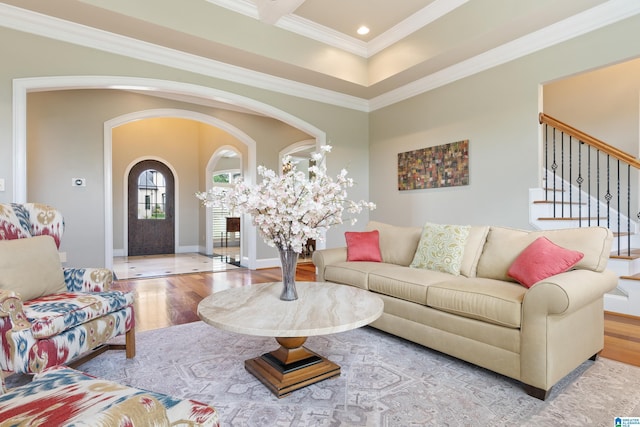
310, 47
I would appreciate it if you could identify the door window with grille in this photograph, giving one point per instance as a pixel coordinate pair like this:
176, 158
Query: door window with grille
152, 195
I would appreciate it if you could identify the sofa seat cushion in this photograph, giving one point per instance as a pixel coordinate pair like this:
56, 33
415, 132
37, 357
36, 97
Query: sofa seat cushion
489, 300
68, 345
352, 273
406, 283
53, 314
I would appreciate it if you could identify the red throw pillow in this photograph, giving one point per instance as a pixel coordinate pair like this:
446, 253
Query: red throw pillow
542, 259
363, 246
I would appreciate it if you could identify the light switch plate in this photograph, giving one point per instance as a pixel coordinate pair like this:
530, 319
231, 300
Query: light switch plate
1, 184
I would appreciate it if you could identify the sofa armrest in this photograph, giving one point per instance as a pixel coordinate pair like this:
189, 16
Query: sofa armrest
88, 279
11, 308
567, 292
562, 324
322, 258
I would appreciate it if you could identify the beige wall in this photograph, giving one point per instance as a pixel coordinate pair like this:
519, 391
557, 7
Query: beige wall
497, 111
605, 103
73, 137
70, 130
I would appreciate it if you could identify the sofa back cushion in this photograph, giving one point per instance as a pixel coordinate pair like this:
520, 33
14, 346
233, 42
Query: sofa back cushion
31, 267
503, 246
473, 249
397, 244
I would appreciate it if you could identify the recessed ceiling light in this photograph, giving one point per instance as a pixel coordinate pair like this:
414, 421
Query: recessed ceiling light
363, 30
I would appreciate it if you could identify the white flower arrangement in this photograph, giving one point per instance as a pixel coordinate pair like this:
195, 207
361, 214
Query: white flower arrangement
289, 208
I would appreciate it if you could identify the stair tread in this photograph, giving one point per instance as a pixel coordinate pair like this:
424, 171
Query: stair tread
633, 254
571, 218
632, 277
557, 202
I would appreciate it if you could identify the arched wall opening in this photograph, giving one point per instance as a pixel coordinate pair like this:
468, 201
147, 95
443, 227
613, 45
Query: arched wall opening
21, 87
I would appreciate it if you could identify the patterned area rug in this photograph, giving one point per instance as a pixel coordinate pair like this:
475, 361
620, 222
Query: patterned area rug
385, 381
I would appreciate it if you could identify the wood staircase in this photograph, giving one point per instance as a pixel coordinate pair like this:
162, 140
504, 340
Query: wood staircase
625, 299
591, 183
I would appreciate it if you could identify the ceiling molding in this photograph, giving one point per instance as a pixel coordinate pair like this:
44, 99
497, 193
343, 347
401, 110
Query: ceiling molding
418, 20
301, 26
320, 33
58, 29
574, 26
27, 21
271, 11
304, 27
244, 7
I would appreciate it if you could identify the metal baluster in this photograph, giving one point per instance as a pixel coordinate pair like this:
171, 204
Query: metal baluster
608, 196
579, 180
589, 185
598, 187
570, 179
628, 210
562, 173
618, 207
546, 162
554, 167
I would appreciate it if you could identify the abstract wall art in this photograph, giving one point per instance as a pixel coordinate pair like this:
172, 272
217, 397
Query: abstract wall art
444, 165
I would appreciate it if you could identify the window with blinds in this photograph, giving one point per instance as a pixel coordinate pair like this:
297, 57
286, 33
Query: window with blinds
219, 214
220, 225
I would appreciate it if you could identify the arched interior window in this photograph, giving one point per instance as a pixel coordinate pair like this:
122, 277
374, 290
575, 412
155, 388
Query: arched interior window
152, 195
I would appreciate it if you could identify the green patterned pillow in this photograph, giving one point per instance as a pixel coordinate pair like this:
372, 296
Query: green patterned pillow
441, 248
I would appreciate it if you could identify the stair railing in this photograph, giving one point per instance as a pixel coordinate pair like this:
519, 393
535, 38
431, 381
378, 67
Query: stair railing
601, 173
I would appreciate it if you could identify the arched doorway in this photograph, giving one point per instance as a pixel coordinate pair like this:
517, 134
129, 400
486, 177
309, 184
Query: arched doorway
151, 209
21, 87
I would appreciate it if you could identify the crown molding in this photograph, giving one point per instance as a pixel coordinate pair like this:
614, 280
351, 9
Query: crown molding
413, 23
322, 34
328, 36
27, 21
300, 26
590, 20
244, 7
58, 29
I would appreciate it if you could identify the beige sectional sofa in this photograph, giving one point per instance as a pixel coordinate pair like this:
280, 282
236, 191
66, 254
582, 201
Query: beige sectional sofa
536, 335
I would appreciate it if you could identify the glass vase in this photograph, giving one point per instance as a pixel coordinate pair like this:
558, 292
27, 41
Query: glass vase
288, 261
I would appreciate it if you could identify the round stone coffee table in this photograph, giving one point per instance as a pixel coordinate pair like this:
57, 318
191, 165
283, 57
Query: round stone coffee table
321, 308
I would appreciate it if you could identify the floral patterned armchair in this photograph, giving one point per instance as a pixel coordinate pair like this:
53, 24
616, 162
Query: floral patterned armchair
50, 315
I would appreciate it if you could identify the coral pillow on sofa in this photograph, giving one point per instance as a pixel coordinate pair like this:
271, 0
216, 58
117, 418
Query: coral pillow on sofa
363, 246
542, 259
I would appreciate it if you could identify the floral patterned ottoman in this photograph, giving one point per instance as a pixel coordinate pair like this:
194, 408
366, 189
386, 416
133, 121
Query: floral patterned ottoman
61, 396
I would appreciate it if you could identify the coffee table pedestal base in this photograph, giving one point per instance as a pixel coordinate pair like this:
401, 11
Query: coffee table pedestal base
291, 367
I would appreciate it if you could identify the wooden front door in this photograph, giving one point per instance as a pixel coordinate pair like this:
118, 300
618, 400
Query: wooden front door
150, 209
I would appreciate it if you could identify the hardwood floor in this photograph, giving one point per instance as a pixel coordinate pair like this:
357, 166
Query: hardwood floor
173, 300
622, 338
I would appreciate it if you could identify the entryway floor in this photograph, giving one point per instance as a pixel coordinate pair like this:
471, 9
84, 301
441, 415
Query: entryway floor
136, 267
